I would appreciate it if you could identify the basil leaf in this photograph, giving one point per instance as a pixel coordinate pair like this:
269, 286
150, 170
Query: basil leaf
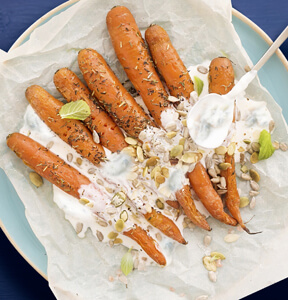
127, 263
198, 85
266, 147
78, 110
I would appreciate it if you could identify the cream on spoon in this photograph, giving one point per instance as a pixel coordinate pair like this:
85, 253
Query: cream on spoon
210, 118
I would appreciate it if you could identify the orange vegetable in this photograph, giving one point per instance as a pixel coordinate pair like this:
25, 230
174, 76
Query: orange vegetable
106, 87
168, 62
185, 199
133, 55
165, 225
201, 184
221, 76
68, 179
73, 132
72, 89
148, 244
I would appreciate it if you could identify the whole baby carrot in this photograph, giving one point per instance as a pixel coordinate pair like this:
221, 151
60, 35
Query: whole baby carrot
103, 83
73, 132
72, 89
133, 55
201, 184
168, 62
68, 179
221, 76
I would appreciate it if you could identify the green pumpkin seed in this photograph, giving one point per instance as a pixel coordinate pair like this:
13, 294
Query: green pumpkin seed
119, 225
176, 151
254, 175
112, 235
152, 161
244, 201
159, 204
118, 199
36, 179
224, 166
254, 158
124, 215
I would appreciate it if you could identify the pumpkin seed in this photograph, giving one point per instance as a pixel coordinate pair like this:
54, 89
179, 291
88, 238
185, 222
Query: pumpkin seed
99, 235
35, 179
79, 227
159, 178
50, 144
152, 161
247, 141
184, 122
79, 161
254, 185
209, 264
244, 201
83, 201
176, 151
231, 238
96, 137
276, 145
202, 70
255, 147
254, 175
217, 170
159, 204
171, 134
119, 225
244, 169
224, 166
129, 151
212, 276
165, 172
69, 157
283, 147
118, 241
254, 158
221, 150
124, 215
130, 141
112, 235
231, 149
118, 199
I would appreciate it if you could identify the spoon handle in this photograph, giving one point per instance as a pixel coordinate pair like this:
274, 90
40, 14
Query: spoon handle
277, 43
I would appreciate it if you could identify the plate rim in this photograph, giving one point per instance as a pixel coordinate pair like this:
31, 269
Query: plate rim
49, 14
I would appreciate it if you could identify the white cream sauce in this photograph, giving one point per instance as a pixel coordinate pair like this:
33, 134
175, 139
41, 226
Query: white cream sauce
122, 173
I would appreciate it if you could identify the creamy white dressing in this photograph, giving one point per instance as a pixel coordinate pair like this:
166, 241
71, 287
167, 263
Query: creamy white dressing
122, 173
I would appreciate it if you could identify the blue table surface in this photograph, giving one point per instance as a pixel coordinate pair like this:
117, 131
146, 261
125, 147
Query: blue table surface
18, 280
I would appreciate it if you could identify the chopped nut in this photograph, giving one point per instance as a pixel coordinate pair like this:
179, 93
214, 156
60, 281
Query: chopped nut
173, 99
36, 179
276, 145
212, 276
215, 179
69, 157
79, 161
271, 126
242, 158
99, 235
252, 203
212, 172
253, 193
207, 240
254, 185
283, 147
255, 147
245, 177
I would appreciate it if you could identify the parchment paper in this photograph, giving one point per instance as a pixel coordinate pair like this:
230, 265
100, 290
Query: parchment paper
79, 268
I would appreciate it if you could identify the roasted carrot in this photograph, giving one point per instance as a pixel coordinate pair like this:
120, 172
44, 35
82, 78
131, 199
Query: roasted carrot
165, 225
68, 179
73, 132
185, 199
72, 89
201, 184
133, 55
103, 83
148, 244
221, 76
47, 164
168, 62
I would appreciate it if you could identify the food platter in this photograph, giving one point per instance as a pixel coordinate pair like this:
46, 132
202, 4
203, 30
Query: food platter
13, 216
